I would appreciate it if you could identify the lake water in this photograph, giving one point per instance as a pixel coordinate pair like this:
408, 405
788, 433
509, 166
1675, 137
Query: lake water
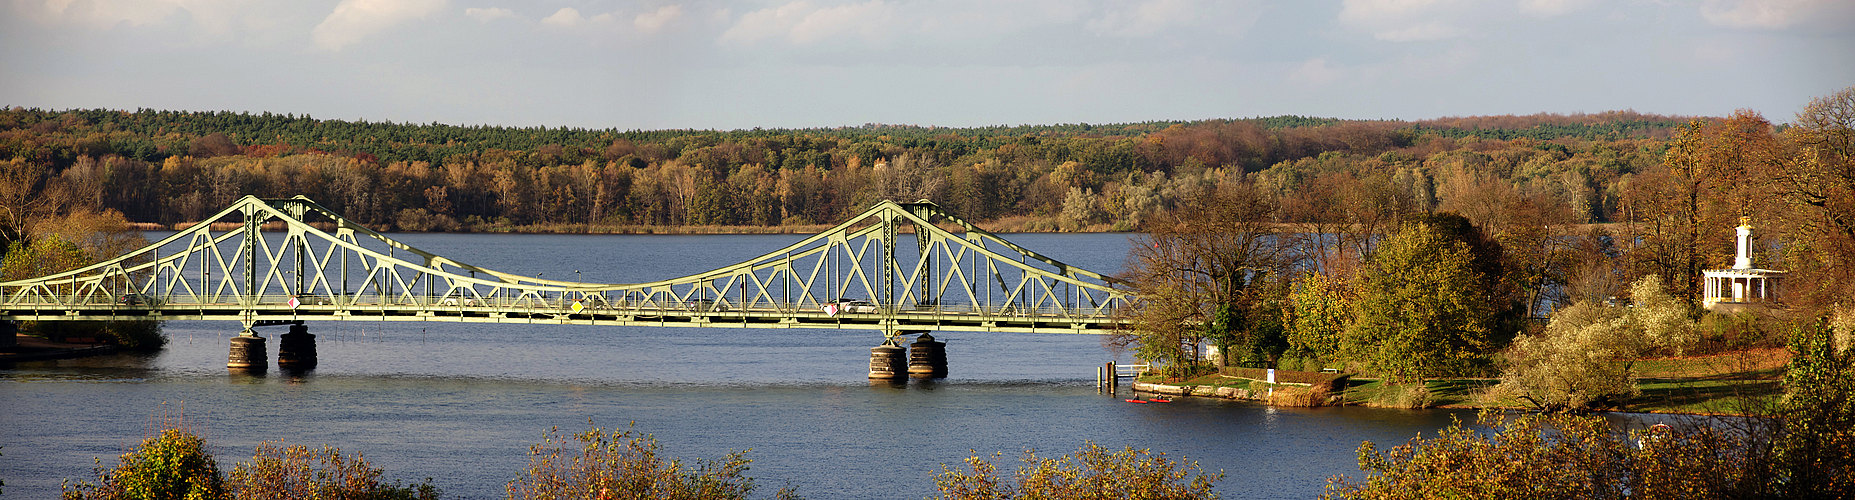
462, 403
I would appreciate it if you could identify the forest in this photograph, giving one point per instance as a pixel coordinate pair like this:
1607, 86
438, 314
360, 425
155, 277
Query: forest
167, 167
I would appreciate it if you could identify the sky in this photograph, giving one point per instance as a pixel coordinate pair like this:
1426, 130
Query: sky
645, 64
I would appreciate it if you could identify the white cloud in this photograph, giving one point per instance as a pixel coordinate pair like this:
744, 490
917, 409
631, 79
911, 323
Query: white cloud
566, 17
1406, 20
655, 20
490, 14
1552, 8
354, 20
1778, 14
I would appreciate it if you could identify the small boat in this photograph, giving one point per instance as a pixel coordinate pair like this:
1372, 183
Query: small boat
1141, 401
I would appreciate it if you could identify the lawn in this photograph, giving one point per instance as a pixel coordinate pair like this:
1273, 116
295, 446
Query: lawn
1729, 383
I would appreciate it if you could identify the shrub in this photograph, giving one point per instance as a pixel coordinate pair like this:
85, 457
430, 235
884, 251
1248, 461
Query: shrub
1409, 396
296, 471
1550, 456
1303, 396
1093, 472
138, 336
1586, 354
173, 465
1797, 448
625, 465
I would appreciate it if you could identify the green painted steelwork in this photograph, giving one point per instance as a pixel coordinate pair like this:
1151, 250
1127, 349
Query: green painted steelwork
852, 276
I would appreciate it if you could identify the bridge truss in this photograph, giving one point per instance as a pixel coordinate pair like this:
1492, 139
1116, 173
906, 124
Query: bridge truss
890, 268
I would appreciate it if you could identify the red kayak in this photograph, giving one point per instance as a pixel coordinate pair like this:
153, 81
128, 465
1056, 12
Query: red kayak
1136, 401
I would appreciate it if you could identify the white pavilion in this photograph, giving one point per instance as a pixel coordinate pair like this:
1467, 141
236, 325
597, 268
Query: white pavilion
1743, 286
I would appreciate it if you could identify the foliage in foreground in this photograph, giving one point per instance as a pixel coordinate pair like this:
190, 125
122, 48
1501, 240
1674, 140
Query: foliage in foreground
174, 465
1092, 472
623, 464
1798, 449
277, 471
1552, 456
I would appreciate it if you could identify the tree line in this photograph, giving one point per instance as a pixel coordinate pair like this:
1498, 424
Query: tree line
168, 167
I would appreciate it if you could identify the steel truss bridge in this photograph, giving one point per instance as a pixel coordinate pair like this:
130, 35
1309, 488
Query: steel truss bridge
861, 274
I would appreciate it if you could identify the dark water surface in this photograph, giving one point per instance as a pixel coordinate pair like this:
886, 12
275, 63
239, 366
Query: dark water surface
461, 403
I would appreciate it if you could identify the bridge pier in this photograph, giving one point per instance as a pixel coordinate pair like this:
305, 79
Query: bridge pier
927, 358
888, 361
296, 351
248, 354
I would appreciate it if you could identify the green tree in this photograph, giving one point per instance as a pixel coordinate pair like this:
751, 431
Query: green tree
1425, 308
1316, 315
1092, 472
1818, 413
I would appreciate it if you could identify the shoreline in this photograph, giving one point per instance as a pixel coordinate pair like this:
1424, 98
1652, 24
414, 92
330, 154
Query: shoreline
27, 348
1298, 396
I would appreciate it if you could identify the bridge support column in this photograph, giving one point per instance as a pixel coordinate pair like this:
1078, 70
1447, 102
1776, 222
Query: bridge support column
888, 361
296, 351
927, 358
248, 353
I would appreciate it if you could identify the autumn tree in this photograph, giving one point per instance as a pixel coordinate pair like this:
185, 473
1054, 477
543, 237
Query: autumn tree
1818, 184
1692, 204
1316, 315
1205, 272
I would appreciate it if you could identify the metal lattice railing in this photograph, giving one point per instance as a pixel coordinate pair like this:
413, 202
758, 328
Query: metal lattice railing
858, 274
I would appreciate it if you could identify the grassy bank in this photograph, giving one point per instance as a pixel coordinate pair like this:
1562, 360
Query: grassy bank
1729, 383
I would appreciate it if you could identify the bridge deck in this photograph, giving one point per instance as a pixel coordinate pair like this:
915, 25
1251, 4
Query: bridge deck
618, 315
